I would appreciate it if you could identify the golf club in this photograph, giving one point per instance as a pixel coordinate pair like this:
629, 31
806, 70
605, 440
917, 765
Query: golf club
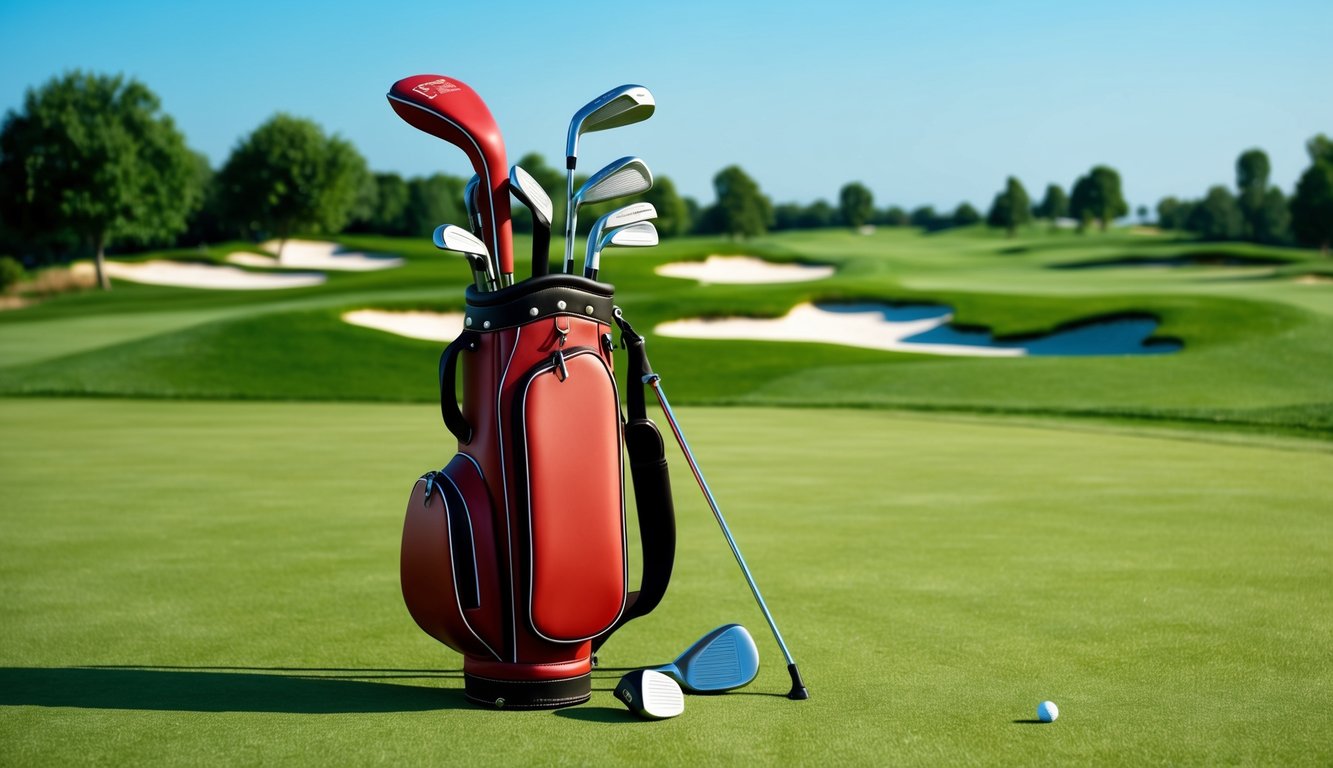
626, 176
531, 194
448, 109
650, 695
622, 105
470, 203
638, 235
798, 690
630, 214
721, 660
448, 237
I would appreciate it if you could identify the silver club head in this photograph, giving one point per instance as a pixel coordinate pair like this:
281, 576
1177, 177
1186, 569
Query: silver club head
470, 204
630, 214
626, 176
448, 237
531, 194
640, 235
622, 105
721, 660
650, 695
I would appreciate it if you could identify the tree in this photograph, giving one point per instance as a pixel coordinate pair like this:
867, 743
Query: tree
1312, 203
1098, 196
965, 215
673, 217
925, 218
431, 201
288, 176
856, 204
1217, 216
742, 210
894, 216
1252, 169
1054, 204
91, 157
1011, 208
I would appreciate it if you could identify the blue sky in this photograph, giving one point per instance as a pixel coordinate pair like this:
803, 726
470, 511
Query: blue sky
925, 103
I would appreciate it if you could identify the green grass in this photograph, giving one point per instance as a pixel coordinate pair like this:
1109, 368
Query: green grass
203, 583
1256, 352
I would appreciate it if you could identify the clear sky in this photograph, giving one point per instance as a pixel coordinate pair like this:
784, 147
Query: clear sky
925, 103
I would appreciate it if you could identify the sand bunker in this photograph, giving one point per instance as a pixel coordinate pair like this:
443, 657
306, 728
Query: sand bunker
922, 329
739, 270
212, 276
428, 326
1314, 278
311, 254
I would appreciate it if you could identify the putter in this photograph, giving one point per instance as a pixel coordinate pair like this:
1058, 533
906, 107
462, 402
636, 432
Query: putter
448, 237
638, 235
798, 690
531, 194
650, 695
722, 660
620, 106
470, 203
630, 214
626, 176
448, 109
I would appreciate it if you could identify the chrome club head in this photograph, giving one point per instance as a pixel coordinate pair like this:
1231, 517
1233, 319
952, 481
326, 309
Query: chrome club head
470, 204
630, 214
650, 695
619, 106
626, 176
448, 237
640, 235
531, 194
721, 660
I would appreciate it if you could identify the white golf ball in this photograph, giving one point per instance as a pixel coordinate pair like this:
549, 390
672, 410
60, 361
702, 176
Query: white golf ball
1047, 711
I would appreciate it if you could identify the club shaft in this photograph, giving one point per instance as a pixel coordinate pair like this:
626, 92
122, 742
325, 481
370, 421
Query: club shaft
656, 383
569, 217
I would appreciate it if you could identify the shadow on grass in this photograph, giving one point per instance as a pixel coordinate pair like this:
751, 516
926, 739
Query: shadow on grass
1030, 722
203, 690
599, 715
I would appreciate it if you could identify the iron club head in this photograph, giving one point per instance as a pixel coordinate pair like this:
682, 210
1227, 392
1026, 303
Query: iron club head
470, 204
448, 237
622, 105
531, 194
721, 660
650, 695
640, 235
630, 214
626, 176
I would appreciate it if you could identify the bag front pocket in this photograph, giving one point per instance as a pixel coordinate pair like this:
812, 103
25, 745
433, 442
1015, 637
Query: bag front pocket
567, 437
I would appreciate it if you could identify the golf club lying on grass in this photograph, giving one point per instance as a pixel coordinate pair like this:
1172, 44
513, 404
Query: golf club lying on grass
722, 660
640, 235
622, 105
448, 237
650, 695
531, 194
626, 176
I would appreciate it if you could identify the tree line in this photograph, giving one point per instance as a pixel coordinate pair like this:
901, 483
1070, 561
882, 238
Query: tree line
91, 163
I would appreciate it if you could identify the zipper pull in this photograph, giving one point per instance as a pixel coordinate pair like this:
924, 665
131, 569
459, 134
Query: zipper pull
558, 360
429, 477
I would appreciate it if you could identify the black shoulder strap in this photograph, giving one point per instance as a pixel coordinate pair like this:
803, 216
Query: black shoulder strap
652, 486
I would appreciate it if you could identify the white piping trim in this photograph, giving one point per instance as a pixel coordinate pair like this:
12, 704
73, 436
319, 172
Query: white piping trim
448, 524
504, 484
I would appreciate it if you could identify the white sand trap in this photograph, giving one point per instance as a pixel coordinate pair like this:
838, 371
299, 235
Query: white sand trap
740, 270
924, 329
312, 254
212, 276
1314, 279
806, 322
428, 326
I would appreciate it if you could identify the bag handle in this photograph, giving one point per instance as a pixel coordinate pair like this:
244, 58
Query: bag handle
453, 418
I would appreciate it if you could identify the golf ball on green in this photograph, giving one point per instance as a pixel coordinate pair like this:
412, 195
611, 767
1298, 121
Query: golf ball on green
1047, 711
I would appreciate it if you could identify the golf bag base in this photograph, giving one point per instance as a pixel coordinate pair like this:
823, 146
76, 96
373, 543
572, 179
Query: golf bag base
515, 553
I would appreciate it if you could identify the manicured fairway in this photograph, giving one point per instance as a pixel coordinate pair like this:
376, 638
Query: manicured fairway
216, 583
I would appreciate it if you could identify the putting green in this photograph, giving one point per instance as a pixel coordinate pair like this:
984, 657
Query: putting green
198, 583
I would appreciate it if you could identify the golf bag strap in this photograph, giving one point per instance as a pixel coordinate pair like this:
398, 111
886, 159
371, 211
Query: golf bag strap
652, 488
453, 418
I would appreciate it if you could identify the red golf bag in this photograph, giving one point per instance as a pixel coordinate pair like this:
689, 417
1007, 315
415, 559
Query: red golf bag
515, 554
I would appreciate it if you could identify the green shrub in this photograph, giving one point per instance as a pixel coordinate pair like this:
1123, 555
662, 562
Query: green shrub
11, 272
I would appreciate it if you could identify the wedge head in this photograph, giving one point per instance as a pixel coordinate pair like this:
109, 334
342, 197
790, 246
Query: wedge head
622, 105
721, 660
448, 237
639, 235
626, 176
650, 695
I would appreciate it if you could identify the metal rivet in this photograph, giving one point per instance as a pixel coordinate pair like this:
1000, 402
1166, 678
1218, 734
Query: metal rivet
486, 324
561, 305
588, 309
532, 311
467, 321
